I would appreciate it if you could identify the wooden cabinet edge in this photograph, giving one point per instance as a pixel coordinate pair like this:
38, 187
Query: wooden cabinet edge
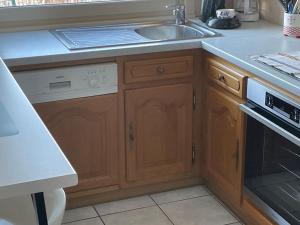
163, 71
252, 215
117, 193
195, 53
243, 208
246, 211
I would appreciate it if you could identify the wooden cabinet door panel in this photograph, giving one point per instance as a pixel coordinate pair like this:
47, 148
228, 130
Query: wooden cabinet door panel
223, 141
159, 131
86, 130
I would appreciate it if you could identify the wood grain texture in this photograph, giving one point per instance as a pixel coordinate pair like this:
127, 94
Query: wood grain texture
86, 130
194, 79
158, 69
224, 138
228, 125
158, 131
225, 75
254, 216
87, 198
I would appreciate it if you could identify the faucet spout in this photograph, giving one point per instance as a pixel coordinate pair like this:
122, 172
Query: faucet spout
178, 12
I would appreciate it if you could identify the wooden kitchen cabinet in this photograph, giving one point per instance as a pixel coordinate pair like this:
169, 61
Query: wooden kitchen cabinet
224, 143
159, 69
87, 131
158, 132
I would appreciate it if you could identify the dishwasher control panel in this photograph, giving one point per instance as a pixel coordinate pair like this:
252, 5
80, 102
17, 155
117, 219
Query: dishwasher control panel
68, 82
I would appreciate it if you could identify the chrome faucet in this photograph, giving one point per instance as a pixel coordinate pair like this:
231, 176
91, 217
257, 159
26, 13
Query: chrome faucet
178, 12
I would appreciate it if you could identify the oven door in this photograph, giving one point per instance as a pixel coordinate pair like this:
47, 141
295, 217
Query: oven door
272, 165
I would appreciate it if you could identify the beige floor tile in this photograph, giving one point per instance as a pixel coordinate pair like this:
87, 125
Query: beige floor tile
124, 205
145, 216
93, 221
79, 214
198, 211
227, 209
180, 194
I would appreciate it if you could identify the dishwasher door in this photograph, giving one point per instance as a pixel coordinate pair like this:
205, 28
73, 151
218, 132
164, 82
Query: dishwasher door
47, 85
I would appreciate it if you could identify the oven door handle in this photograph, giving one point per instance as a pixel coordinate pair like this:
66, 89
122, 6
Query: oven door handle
270, 124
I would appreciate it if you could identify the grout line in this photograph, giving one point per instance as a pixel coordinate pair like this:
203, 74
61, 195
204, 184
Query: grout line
81, 220
162, 210
158, 205
209, 193
98, 214
227, 209
200, 196
128, 210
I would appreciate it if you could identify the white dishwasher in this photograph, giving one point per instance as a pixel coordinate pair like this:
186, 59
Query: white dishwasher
76, 103
68, 82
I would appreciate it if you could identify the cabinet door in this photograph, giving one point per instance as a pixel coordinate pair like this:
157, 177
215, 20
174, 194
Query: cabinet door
86, 130
159, 131
223, 142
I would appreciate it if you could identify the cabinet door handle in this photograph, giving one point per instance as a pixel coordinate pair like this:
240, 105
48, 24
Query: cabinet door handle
221, 77
236, 155
130, 135
160, 70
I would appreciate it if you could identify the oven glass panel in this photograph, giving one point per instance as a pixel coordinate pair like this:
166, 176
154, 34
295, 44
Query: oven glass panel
272, 170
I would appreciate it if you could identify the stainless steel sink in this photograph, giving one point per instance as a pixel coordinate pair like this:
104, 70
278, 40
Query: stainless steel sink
170, 32
128, 34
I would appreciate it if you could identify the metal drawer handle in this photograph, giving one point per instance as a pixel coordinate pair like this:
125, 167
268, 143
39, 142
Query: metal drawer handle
221, 77
160, 70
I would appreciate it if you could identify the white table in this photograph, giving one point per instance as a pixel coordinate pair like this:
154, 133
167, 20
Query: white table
31, 162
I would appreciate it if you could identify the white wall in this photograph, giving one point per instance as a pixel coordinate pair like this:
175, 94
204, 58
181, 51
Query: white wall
272, 11
197, 7
65, 14
40, 17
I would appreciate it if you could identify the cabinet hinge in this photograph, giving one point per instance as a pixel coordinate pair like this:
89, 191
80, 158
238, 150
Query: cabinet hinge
193, 152
194, 99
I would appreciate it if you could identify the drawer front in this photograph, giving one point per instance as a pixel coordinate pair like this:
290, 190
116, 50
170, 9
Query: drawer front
227, 78
159, 69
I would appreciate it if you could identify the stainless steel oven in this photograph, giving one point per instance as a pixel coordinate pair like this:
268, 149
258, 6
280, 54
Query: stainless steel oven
272, 160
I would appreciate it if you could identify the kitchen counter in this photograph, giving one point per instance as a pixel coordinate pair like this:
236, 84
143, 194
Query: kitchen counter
236, 46
30, 159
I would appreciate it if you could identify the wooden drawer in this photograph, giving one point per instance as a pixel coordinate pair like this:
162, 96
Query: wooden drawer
159, 69
227, 77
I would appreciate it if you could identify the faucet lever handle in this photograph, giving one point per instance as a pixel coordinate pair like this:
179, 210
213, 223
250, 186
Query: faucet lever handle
174, 12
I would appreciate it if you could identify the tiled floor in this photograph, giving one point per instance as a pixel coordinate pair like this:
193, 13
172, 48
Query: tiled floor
187, 206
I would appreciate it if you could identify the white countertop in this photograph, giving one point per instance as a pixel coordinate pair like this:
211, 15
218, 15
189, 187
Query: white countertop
30, 161
236, 46
35, 47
